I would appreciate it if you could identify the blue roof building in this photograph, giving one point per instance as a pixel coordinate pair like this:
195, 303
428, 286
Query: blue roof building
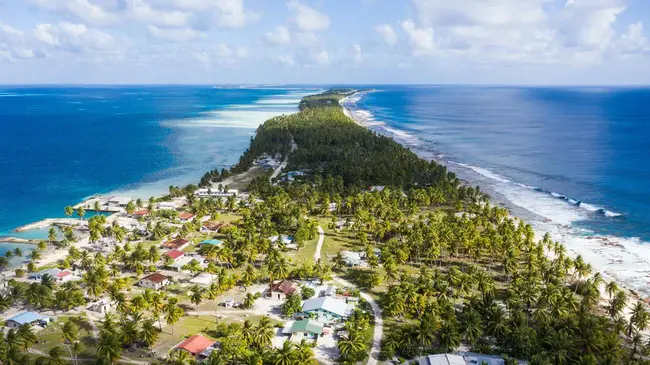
27, 318
212, 242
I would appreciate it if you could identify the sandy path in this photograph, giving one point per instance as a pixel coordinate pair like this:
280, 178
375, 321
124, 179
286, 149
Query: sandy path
379, 321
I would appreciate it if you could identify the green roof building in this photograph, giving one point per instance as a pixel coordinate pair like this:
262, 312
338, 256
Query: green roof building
307, 326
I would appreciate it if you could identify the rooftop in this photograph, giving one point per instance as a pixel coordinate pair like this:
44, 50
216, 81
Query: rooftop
142, 212
176, 243
27, 317
285, 286
441, 359
332, 305
174, 254
195, 344
212, 242
155, 277
307, 325
185, 215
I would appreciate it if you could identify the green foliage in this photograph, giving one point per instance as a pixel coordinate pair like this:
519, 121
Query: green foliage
291, 305
306, 293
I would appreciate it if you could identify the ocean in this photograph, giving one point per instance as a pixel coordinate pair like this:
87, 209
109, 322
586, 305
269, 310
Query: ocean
572, 161
60, 145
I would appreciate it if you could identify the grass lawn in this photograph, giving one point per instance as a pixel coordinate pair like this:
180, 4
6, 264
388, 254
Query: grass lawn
335, 241
187, 326
52, 335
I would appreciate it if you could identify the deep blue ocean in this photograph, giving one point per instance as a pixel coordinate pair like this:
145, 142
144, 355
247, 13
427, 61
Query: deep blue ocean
59, 145
574, 161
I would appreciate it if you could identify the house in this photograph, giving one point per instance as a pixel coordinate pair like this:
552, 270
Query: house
140, 213
326, 307
352, 258
441, 359
330, 291
207, 352
228, 303
195, 344
154, 281
174, 254
182, 261
167, 205
473, 358
377, 188
207, 193
283, 288
204, 278
185, 217
176, 244
284, 239
119, 201
27, 318
211, 227
304, 329
65, 275
212, 242
101, 306
50, 272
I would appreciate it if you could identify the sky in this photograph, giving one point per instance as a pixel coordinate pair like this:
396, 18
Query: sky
540, 42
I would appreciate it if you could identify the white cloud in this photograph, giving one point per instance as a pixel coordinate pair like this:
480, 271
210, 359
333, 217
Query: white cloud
308, 19
160, 13
221, 55
358, 54
421, 39
279, 36
633, 41
174, 34
321, 57
388, 34
589, 24
287, 60
75, 38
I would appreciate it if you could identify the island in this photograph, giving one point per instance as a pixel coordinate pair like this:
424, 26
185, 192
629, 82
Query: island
326, 243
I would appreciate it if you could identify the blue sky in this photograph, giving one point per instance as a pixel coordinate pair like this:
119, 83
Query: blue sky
325, 41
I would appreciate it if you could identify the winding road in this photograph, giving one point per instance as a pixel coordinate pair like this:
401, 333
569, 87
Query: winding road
379, 321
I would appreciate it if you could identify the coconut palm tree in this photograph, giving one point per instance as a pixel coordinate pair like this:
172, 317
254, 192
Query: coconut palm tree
264, 333
69, 211
196, 296
149, 334
109, 346
172, 312
70, 333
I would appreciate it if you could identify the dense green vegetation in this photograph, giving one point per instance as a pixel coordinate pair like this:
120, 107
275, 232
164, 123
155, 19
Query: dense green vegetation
448, 268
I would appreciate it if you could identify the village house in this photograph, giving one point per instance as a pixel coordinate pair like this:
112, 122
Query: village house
167, 205
174, 254
213, 242
118, 201
185, 217
180, 263
140, 213
207, 193
211, 227
327, 308
281, 289
32, 318
308, 329
194, 344
58, 275
287, 241
101, 306
176, 244
352, 258
154, 281
204, 278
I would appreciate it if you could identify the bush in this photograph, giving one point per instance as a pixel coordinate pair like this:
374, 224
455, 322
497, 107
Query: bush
307, 293
291, 305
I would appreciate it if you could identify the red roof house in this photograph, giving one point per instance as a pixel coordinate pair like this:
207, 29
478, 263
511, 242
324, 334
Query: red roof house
141, 213
185, 217
174, 254
176, 244
283, 288
195, 344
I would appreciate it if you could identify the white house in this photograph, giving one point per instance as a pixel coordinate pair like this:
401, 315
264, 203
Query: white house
185, 217
119, 201
207, 193
154, 281
101, 306
327, 307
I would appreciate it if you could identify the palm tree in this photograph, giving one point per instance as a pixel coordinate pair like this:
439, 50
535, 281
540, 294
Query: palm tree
196, 296
109, 346
249, 301
264, 333
27, 336
55, 357
472, 326
70, 333
51, 235
81, 212
285, 354
149, 333
352, 345
69, 211
172, 312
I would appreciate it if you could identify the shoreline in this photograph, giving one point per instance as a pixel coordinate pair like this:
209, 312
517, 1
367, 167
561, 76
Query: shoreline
634, 294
